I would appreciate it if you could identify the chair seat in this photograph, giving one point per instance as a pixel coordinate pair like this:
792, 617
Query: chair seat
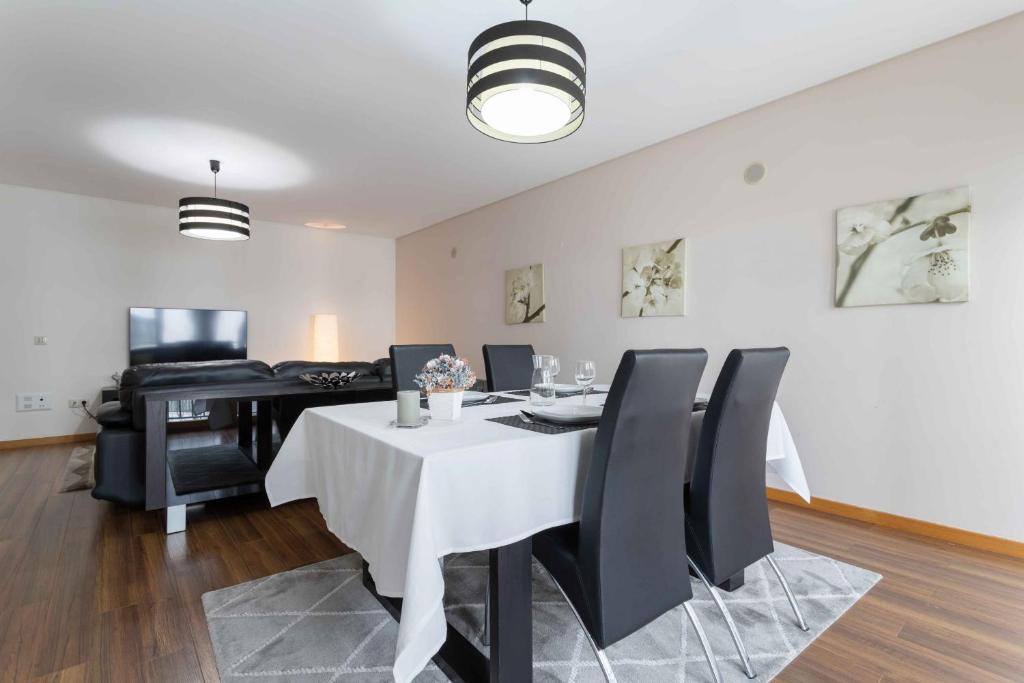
624, 564
558, 550
408, 359
509, 367
727, 523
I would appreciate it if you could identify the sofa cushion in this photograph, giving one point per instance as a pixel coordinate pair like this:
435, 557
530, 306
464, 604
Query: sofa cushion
179, 374
119, 467
291, 369
78, 473
382, 368
111, 414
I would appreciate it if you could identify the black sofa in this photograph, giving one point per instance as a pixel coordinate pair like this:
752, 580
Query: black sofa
120, 459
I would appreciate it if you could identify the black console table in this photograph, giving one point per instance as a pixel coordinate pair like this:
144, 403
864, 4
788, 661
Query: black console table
177, 478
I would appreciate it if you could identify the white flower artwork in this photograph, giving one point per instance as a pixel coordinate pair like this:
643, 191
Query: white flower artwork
653, 278
904, 251
524, 295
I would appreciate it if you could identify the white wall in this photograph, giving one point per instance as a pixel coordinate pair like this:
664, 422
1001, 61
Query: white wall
914, 409
71, 266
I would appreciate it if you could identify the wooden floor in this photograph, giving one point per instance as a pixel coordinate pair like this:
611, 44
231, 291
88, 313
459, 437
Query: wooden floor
91, 591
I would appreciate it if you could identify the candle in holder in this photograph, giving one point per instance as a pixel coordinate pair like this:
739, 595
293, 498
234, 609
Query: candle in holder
408, 407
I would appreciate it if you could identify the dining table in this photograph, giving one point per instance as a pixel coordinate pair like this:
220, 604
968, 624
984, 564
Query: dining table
406, 498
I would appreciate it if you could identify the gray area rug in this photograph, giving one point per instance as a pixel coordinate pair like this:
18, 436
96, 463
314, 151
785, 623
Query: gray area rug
318, 624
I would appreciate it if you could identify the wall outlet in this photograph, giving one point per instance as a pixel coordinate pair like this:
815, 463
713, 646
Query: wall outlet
29, 402
40, 340
77, 402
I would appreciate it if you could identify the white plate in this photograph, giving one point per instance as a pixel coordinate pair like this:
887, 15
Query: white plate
473, 396
575, 388
569, 414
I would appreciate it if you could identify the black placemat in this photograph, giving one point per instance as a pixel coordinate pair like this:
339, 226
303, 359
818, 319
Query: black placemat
559, 394
514, 421
501, 399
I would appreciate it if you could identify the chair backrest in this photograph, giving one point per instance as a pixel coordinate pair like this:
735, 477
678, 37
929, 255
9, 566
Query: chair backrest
508, 366
632, 551
408, 359
728, 511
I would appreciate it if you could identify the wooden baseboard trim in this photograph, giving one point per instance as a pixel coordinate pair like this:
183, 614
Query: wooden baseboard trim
971, 539
47, 441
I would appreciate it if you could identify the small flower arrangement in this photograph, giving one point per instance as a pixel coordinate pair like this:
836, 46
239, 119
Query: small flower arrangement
445, 374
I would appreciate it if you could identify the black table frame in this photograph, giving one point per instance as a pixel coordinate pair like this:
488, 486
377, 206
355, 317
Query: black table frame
511, 625
160, 491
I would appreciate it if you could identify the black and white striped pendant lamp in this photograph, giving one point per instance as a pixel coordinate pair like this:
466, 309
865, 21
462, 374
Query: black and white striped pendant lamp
210, 218
527, 81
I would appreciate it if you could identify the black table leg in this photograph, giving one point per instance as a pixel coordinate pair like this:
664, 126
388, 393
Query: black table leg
511, 659
733, 582
156, 454
511, 613
245, 424
264, 434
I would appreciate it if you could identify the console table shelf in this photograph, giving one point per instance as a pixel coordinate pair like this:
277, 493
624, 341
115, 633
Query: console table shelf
195, 470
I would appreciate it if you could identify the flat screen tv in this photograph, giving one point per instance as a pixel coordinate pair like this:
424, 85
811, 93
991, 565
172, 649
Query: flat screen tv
174, 335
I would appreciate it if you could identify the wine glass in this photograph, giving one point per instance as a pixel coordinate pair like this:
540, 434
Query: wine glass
585, 373
555, 367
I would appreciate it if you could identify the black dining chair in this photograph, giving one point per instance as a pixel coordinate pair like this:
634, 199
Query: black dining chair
623, 564
408, 359
508, 366
727, 526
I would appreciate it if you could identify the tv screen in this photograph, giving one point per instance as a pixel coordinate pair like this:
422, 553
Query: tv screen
174, 335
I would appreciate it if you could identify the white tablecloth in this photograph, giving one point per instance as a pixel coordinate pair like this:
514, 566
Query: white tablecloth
406, 498
781, 454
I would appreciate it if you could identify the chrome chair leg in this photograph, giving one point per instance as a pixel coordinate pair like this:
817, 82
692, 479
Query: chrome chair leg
606, 666
789, 594
485, 637
748, 669
708, 654
602, 658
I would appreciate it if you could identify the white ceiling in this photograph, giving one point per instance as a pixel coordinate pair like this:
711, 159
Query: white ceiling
353, 110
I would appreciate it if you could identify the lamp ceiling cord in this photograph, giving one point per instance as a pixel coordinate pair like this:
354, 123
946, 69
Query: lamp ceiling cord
215, 168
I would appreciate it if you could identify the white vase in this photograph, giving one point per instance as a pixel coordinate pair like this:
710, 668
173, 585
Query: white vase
445, 405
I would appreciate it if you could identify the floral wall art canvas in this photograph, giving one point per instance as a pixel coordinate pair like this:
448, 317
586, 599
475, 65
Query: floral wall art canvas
653, 279
904, 251
524, 295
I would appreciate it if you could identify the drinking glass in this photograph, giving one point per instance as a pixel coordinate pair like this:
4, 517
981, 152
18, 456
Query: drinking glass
542, 389
585, 373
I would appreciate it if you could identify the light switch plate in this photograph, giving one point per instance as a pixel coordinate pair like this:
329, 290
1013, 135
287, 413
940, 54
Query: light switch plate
40, 340
31, 402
